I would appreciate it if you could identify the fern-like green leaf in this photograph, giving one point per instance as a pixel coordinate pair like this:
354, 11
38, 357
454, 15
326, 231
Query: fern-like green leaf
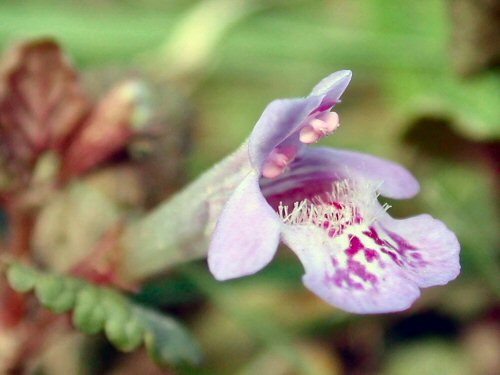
21, 278
95, 309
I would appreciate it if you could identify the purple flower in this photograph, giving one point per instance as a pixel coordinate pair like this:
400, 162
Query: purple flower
322, 203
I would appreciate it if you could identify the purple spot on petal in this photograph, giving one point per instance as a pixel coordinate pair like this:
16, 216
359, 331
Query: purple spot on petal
372, 233
341, 278
325, 105
355, 245
370, 255
360, 270
346, 277
393, 256
357, 219
407, 251
402, 244
337, 205
355, 285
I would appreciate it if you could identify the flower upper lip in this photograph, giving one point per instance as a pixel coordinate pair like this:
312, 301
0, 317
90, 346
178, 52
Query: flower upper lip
282, 119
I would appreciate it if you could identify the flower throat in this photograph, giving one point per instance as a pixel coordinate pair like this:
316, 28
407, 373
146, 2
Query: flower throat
344, 206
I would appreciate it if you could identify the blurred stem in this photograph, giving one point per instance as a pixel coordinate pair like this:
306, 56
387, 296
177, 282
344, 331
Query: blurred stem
20, 230
12, 306
177, 230
190, 49
21, 224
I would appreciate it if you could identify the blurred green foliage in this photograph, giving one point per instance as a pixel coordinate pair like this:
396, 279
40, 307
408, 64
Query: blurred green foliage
96, 309
404, 83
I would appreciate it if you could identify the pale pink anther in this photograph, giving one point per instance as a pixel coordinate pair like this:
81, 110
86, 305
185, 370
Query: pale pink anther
278, 161
320, 126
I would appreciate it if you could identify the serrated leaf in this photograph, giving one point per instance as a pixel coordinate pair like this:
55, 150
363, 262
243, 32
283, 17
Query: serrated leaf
89, 316
57, 294
125, 334
63, 303
95, 308
167, 341
48, 288
21, 278
114, 304
135, 334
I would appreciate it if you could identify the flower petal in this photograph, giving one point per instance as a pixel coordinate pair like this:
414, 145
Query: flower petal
317, 168
283, 117
332, 87
430, 249
279, 120
247, 233
347, 275
397, 182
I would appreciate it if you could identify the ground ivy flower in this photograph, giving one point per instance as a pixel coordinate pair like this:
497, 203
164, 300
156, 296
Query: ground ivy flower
322, 203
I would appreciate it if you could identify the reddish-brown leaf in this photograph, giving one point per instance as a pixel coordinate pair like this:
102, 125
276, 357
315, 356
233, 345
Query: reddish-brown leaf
41, 102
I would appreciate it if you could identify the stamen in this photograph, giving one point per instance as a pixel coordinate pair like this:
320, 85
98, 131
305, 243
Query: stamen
346, 205
278, 161
320, 126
